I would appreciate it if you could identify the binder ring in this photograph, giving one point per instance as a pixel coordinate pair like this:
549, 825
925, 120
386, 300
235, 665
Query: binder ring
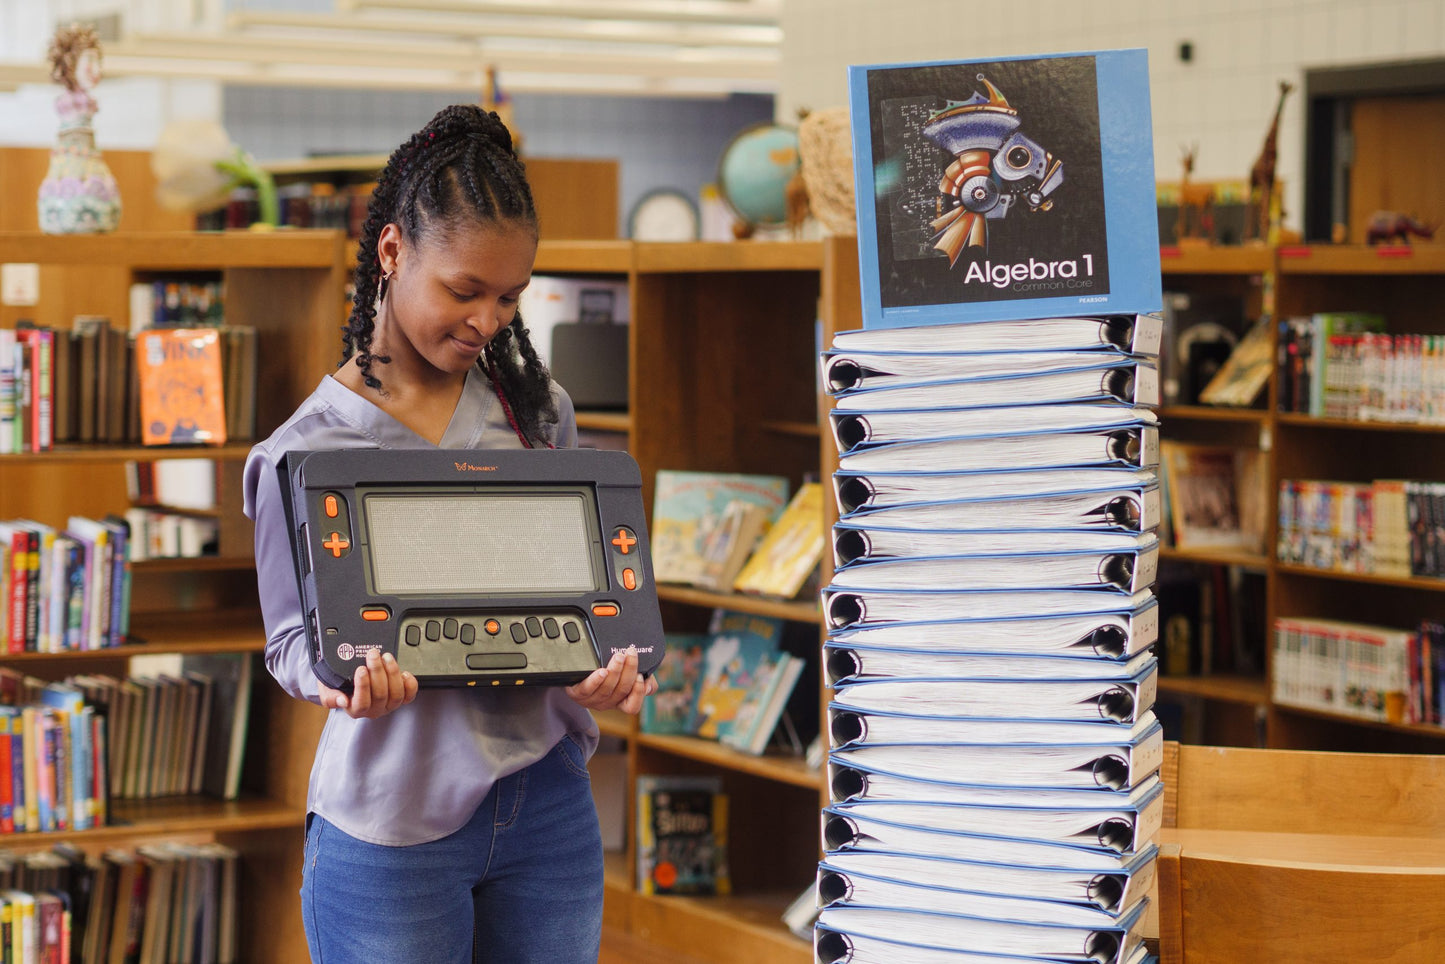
1117, 570
851, 545
1124, 447
1102, 946
852, 432
845, 609
1106, 890
1116, 834
1111, 771
843, 374
848, 783
839, 833
1108, 641
834, 887
1119, 382
854, 492
842, 664
1124, 512
847, 727
834, 948
1116, 704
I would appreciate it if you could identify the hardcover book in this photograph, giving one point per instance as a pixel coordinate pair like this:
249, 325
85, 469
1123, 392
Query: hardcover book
673, 708
682, 835
982, 188
687, 510
790, 551
740, 648
181, 381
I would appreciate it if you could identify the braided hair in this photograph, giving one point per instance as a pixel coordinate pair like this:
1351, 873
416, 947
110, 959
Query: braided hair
459, 170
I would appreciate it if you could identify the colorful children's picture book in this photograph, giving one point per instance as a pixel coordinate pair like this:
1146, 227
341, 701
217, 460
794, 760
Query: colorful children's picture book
790, 551
181, 381
687, 507
762, 707
673, 708
1007, 188
740, 646
682, 835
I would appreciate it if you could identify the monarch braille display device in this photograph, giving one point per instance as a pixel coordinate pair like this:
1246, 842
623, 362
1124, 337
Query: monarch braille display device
472, 566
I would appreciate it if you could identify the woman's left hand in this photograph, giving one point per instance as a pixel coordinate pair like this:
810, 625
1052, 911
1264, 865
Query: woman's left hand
616, 686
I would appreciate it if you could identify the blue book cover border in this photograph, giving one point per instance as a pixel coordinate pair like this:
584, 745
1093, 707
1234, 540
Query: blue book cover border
1129, 206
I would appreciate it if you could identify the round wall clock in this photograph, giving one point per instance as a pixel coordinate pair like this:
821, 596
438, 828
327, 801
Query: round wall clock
664, 214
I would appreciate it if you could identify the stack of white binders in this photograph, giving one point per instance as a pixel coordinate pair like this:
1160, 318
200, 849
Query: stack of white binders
994, 757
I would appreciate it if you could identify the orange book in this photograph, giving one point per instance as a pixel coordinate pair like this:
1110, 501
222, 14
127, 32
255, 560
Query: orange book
181, 399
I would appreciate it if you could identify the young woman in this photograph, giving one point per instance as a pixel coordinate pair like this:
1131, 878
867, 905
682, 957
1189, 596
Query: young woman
447, 825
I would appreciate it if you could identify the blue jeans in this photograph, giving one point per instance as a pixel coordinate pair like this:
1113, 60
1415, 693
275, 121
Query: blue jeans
521, 882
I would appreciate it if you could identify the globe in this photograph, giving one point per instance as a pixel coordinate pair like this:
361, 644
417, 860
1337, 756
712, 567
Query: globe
754, 171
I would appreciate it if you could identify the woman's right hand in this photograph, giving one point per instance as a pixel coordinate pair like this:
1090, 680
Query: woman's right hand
378, 687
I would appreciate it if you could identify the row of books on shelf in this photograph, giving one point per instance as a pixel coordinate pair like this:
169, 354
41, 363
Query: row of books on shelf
1372, 672
731, 684
164, 534
95, 382
64, 589
177, 724
735, 532
319, 205
52, 765
177, 302
154, 904
1344, 365
70, 748
1388, 527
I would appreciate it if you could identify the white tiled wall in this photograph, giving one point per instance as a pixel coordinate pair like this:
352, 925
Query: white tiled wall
1222, 100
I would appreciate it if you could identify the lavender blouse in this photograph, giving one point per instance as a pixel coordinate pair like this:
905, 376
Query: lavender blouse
418, 773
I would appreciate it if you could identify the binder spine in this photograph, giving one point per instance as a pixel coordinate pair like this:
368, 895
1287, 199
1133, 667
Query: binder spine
990, 541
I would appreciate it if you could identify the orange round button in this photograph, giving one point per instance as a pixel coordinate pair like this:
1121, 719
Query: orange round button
492, 627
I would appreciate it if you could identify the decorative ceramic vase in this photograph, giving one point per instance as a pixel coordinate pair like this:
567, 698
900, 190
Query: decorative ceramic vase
78, 195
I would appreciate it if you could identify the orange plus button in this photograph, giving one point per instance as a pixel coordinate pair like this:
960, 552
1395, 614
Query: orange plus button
629, 579
624, 540
336, 544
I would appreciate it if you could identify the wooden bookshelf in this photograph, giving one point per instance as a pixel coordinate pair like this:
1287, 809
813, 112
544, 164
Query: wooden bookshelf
804, 612
1244, 690
290, 285
1403, 283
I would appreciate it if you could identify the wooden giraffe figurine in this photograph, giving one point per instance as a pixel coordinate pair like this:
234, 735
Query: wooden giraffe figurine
1261, 176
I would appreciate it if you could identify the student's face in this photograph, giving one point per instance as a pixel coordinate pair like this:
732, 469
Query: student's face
451, 293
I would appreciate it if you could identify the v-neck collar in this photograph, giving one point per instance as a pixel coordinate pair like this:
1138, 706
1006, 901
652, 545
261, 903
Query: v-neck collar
475, 409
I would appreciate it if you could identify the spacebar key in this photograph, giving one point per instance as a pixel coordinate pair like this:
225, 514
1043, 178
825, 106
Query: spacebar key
496, 660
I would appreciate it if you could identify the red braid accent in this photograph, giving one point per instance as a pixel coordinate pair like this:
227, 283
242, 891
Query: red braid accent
507, 406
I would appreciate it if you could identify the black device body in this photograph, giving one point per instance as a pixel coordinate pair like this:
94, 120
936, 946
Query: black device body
472, 567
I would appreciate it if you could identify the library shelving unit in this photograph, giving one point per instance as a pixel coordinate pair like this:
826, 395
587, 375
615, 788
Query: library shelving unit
1404, 284
290, 286
723, 357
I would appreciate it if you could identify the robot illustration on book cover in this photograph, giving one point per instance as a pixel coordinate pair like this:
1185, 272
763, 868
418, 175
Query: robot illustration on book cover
971, 198
996, 167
